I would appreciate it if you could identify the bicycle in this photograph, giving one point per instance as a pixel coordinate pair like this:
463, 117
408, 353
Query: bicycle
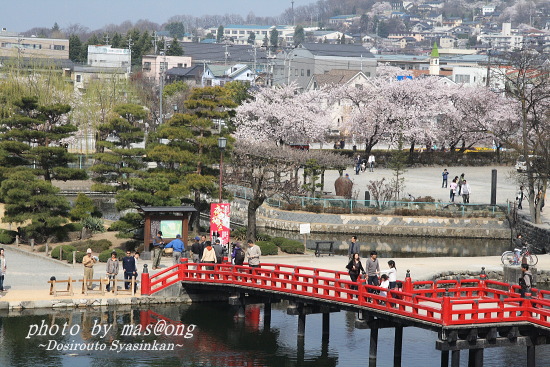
518, 257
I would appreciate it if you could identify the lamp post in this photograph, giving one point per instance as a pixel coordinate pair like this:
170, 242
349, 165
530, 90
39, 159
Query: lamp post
222, 143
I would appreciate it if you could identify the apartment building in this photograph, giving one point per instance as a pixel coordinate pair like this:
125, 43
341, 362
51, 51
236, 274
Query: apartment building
15, 45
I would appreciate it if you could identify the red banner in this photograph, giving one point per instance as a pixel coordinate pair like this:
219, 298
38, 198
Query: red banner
219, 222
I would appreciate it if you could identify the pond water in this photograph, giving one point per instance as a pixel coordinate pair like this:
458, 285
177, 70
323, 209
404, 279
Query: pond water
211, 335
402, 246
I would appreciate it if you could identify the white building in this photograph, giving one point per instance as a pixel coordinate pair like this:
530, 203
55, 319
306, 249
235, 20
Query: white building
218, 75
503, 41
106, 56
240, 33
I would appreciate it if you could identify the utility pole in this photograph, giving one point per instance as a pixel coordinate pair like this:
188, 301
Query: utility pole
161, 83
487, 81
204, 62
226, 53
106, 38
293, 17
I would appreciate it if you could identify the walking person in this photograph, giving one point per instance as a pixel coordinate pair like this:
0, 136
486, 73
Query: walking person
129, 267
466, 191
253, 254
353, 247
460, 182
357, 164
178, 248
3, 268
452, 192
354, 269
445, 175
112, 270
158, 244
371, 162
88, 262
520, 196
373, 269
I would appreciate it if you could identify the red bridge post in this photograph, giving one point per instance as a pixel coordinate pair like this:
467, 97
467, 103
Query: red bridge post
408, 286
145, 282
446, 312
482, 284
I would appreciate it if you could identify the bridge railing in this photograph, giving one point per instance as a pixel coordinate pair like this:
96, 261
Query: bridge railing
445, 302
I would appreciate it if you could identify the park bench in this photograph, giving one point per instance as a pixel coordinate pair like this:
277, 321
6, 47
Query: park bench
57, 292
322, 250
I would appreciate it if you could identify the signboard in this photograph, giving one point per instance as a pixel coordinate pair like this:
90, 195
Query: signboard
403, 77
305, 228
219, 222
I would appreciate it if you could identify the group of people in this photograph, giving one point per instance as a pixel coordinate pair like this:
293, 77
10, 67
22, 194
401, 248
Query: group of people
362, 164
129, 268
520, 196
384, 279
459, 186
204, 251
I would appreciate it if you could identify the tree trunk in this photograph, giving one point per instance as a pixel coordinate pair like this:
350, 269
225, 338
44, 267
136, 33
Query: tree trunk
195, 218
253, 206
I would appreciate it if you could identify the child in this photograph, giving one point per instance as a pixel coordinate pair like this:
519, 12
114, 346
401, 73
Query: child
384, 283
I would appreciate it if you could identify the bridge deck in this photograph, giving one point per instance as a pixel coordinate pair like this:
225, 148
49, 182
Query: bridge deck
434, 304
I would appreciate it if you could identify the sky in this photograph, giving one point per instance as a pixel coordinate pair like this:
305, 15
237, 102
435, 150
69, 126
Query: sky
22, 15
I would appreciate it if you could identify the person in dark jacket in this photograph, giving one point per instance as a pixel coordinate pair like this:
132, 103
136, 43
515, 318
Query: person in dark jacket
129, 267
218, 249
355, 268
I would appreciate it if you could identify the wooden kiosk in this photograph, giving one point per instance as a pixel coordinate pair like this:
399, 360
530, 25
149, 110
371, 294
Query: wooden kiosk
173, 219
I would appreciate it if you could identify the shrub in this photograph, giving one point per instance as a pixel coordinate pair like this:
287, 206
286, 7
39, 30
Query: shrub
41, 248
63, 252
105, 255
7, 237
73, 227
131, 245
79, 256
93, 224
268, 247
95, 245
289, 246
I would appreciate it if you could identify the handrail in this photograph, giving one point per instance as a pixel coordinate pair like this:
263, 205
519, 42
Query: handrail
468, 301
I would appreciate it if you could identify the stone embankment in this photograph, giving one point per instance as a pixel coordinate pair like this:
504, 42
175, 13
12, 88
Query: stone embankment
274, 218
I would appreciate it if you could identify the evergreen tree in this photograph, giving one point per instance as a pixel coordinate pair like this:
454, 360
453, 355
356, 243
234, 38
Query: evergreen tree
191, 150
299, 35
34, 136
274, 38
219, 34
29, 199
251, 38
75, 48
117, 160
176, 29
175, 49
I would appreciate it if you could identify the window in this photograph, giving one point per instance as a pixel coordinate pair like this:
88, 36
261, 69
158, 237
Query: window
462, 79
295, 72
78, 78
209, 82
308, 72
147, 66
180, 65
163, 66
59, 47
302, 72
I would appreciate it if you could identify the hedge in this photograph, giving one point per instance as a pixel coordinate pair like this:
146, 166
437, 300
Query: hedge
268, 247
66, 254
7, 237
95, 245
106, 255
289, 246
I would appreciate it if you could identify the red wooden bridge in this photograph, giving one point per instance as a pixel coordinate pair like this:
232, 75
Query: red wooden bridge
468, 314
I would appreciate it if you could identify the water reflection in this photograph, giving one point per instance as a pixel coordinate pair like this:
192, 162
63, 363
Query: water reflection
219, 338
397, 246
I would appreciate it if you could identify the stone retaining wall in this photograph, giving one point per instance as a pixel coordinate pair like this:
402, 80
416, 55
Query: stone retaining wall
540, 277
273, 218
535, 235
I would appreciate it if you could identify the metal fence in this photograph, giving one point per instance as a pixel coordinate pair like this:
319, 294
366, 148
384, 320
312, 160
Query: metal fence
372, 206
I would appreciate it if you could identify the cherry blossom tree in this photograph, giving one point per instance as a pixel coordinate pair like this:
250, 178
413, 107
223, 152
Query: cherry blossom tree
283, 115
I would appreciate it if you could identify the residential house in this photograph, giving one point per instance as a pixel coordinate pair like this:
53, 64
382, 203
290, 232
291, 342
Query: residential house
344, 19
190, 75
300, 64
106, 56
340, 110
218, 75
104, 63
153, 66
239, 34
